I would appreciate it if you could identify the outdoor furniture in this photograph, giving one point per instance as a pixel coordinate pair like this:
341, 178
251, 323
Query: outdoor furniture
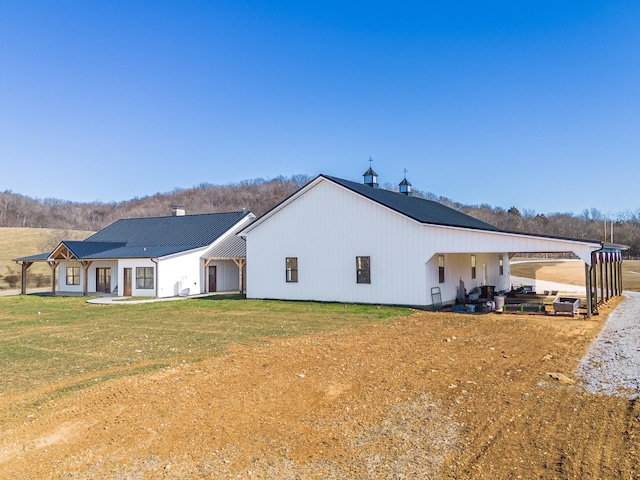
566, 305
525, 307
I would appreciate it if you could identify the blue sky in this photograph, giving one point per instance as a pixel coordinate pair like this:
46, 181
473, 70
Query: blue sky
533, 104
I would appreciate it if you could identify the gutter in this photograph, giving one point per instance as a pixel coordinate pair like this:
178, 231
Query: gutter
157, 279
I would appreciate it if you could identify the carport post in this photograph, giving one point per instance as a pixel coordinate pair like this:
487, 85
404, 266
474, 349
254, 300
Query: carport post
587, 277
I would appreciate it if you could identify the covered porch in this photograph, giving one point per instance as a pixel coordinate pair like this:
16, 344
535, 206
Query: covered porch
602, 281
225, 266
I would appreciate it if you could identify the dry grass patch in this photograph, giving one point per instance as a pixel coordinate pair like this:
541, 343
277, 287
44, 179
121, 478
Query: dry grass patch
22, 242
572, 272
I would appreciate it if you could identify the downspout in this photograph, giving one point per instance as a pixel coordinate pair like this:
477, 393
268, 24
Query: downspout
157, 274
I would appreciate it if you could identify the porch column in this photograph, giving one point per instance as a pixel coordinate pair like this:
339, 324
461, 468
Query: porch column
620, 268
588, 290
205, 284
611, 279
616, 266
23, 279
594, 279
600, 263
85, 283
53, 265
606, 275
240, 262
614, 276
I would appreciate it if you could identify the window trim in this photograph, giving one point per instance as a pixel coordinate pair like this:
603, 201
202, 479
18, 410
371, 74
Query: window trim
75, 278
363, 269
501, 263
291, 271
473, 267
142, 280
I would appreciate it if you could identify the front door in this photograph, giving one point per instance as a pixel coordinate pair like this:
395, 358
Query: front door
103, 280
128, 276
212, 278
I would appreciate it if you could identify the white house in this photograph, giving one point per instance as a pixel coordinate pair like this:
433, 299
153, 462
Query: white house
156, 256
337, 240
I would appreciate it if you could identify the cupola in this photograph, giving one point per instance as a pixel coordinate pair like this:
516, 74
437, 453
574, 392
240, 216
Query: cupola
371, 177
405, 186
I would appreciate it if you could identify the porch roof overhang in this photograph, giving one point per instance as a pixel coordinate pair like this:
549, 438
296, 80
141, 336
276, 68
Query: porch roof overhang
582, 248
104, 251
234, 247
141, 252
40, 257
519, 242
75, 249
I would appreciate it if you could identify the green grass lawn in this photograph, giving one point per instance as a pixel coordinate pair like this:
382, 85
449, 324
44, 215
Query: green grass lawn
55, 345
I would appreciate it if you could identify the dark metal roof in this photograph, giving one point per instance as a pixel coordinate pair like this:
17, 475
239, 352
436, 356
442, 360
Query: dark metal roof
191, 230
419, 209
141, 252
150, 237
40, 257
83, 249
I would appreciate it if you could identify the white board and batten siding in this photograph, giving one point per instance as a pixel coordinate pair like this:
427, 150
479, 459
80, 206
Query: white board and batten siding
328, 227
61, 272
181, 274
227, 275
133, 264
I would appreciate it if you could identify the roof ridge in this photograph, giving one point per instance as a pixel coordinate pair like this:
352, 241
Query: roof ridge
414, 207
188, 215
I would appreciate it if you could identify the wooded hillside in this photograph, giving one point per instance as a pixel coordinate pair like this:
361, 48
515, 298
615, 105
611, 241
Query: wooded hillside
260, 195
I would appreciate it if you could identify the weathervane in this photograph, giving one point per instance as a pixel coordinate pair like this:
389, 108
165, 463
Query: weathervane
370, 161
405, 171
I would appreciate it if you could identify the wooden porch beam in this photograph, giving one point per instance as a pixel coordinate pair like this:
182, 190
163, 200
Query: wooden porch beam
588, 290
601, 263
240, 262
594, 280
53, 265
85, 283
23, 279
620, 268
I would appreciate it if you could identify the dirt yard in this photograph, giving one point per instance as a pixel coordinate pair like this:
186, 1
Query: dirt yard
433, 396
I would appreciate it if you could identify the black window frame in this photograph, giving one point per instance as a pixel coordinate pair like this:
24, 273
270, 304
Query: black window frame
74, 276
144, 281
363, 269
291, 269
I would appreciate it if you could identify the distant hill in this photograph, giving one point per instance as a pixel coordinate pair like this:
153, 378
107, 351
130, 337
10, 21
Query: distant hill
260, 195
256, 195
19, 242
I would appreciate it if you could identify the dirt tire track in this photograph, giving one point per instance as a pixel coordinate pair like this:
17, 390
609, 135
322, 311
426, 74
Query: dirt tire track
432, 396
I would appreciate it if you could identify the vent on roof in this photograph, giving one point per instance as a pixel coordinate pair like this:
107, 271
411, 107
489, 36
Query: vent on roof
177, 211
405, 186
371, 177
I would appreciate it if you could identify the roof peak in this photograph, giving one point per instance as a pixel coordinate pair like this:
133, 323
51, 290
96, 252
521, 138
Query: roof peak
420, 209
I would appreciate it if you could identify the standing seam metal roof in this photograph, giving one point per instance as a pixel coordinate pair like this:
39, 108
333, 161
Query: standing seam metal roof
233, 247
151, 236
192, 230
419, 209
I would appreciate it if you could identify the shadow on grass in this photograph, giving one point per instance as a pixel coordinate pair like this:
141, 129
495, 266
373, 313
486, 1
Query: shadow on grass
224, 296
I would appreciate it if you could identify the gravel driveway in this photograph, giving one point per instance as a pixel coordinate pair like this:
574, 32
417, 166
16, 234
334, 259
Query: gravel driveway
612, 364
